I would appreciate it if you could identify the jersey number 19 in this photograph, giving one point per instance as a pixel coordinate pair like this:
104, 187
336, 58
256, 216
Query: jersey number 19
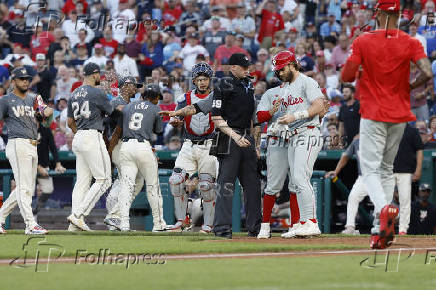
81, 111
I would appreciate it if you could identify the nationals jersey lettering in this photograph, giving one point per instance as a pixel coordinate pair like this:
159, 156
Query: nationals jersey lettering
88, 106
200, 125
140, 120
19, 115
299, 96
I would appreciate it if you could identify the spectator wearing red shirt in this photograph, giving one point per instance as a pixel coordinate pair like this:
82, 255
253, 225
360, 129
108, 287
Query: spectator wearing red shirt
70, 5
40, 41
167, 103
224, 51
385, 56
171, 13
271, 23
110, 45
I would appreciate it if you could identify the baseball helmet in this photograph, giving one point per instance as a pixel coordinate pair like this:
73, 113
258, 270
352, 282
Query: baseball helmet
281, 59
201, 68
152, 91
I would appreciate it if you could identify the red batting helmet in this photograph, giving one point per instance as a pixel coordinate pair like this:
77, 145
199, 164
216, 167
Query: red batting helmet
281, 59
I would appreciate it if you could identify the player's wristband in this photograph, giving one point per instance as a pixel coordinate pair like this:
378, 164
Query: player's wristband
301, 115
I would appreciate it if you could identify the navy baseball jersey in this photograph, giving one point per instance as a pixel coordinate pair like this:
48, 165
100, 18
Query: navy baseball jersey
88, 106
140, 120
19, 116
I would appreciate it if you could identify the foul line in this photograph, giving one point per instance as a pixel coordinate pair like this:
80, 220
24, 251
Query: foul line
234, 255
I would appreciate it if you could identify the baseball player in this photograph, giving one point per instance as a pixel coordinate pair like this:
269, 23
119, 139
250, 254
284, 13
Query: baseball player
358, 192
384, 56
194, 161
128, 88
140, 120
304, 102
19, 109
272, 106
86, 110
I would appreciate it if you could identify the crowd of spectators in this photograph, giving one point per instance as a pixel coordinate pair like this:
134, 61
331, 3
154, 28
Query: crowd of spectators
158, 41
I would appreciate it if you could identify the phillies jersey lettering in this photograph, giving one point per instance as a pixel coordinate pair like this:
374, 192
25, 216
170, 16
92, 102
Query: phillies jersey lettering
140, 120
304, 90
88, 106
19, 115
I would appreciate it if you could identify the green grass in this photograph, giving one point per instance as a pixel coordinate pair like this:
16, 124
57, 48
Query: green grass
142, 242
327, 272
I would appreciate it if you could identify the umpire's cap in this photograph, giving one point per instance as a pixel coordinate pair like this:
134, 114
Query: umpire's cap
90, 69
21, 73
425, 187
239, 59
128, 80
152, 91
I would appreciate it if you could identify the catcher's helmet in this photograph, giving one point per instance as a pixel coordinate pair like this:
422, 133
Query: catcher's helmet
152, 91
281, 59
201, 68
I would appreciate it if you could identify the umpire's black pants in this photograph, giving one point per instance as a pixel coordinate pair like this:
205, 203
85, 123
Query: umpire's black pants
241, 162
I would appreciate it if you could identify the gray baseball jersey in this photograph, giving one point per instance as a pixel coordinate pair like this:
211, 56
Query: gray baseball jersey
140, 120
298, 96
88, 106
205, 105
19, 115
115, 103
269, 98
353, 149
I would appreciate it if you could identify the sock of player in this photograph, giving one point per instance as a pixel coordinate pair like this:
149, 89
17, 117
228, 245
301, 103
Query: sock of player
295, 211
268, 204
180, 204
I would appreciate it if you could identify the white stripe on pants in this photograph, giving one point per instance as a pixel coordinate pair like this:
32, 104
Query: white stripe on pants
379, 143
23, 158
357, 194
92, 160
404, 184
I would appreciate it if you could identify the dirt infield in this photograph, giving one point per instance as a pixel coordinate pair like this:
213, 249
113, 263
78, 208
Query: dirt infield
357, 241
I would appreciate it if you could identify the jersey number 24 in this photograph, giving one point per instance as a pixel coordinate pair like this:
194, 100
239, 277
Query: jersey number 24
81, 111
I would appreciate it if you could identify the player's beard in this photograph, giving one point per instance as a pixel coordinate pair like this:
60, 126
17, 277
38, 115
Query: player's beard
22, 90
288, 78
202, 92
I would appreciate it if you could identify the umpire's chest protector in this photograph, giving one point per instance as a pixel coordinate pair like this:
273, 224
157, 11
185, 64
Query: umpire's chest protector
200, 123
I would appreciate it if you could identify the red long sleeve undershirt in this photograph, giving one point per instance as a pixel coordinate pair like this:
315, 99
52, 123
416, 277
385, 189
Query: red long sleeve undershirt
263, 116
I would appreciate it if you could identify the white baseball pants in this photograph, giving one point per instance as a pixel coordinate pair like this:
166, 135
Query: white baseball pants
357, 194
404, 184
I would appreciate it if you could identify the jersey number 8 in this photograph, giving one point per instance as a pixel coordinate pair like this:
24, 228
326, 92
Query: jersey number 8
136, 121
84, 110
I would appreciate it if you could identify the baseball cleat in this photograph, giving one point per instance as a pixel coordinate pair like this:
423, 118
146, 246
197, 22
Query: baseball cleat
265, 231
291, 232
113, 223
386, 235
205, 229
73, 228
350, 230
308, 229
159, 228
402, 233
186, 224
36, 230
78, 222
2, 230
177, 227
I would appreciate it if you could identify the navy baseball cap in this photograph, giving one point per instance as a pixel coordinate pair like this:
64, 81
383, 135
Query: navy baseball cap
128, 80
239, 59
21, 73
153, 90
424, 187
90, 69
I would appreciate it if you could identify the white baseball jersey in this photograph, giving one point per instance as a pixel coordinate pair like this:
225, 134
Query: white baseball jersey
298, 96
269, 98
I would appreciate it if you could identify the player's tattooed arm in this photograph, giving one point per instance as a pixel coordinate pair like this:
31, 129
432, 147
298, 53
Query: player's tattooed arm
185, 111
72, 125
426, 73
